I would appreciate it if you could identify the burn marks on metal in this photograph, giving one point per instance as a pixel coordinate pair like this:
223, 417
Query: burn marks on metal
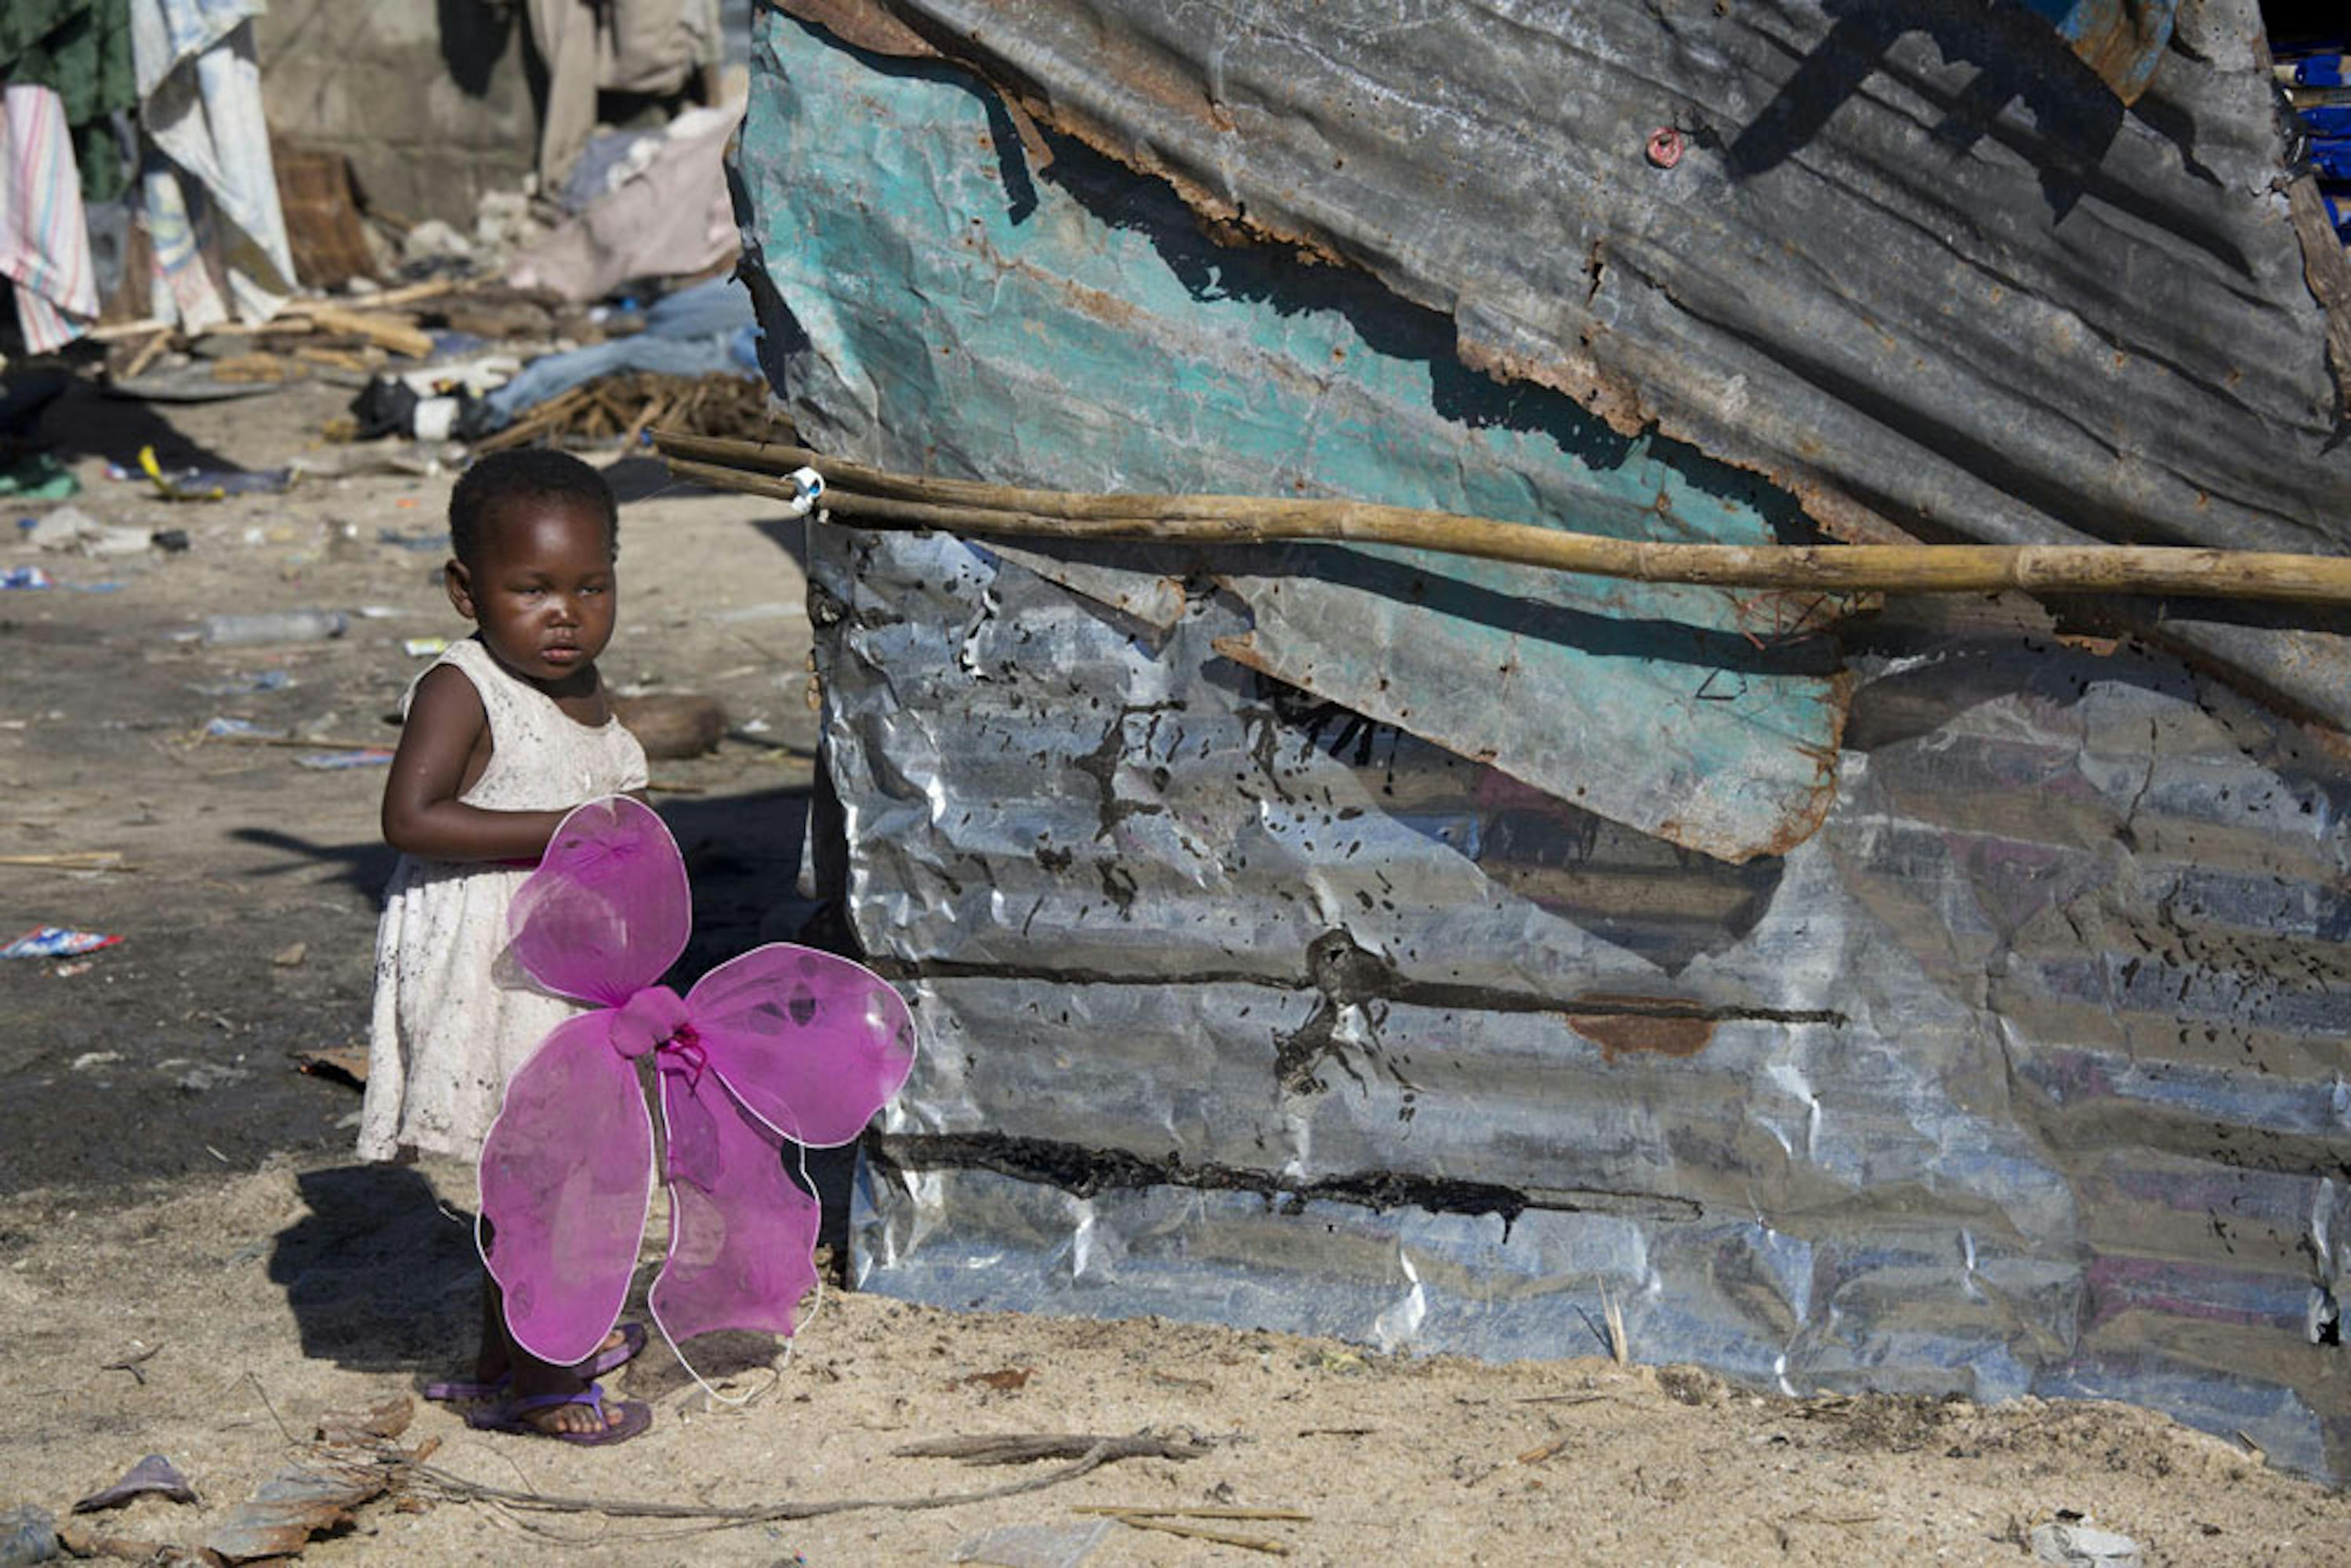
1102, 765
1085, 1172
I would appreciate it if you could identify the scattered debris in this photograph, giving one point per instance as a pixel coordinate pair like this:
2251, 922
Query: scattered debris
244, 685
37, 476
291, 956
388, 332
56, 942
382, 1421
390, 454
298, 1503
1544, 1452
424, 647
625, 406
276, 626
1035, 1545
222, 728
211, 484
26, 576
343, 1064
1007, 1380
2083, 1545
81, 1541
435, 543
132, 1364
68, 527
1195, 1532
74, 861
338, 761
154, 1474
28, 1535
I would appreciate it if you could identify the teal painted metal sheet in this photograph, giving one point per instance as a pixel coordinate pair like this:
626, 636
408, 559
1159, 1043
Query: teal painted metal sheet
964, 316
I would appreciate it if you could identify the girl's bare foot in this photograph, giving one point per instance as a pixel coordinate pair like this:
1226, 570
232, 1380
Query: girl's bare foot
559, 1419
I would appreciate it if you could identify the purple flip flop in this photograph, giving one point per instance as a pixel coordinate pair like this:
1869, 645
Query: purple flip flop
633, 1339
636, 1417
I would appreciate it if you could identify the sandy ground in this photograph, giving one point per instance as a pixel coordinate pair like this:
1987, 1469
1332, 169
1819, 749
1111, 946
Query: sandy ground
176, 1191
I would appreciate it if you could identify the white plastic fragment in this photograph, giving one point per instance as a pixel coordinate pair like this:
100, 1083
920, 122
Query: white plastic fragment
2083, 1546
811, 486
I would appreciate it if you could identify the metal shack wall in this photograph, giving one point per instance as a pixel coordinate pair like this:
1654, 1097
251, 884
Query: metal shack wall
2017, 1069
1919, 263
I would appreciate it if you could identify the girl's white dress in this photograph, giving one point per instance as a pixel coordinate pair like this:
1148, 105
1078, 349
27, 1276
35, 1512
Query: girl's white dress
455, 1016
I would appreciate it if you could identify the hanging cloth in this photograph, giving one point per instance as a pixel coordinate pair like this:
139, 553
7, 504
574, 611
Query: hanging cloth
648, 46
200, 98
81, 48
44, 236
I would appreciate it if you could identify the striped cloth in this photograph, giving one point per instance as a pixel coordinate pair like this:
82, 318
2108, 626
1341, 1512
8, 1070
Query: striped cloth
44, 236
210, 188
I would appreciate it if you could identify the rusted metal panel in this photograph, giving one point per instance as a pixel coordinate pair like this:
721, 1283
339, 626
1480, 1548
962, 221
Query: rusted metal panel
1254, 996
1916, 264
2121, 40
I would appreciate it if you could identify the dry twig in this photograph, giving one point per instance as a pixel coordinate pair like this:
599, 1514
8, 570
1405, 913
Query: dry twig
458, 1489
74, 860
132, 1364
1290, 1515
875, 497
1021, 1447
1170, 1527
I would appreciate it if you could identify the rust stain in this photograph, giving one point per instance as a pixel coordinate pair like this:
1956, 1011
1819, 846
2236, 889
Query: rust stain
862, 25
1652, 1030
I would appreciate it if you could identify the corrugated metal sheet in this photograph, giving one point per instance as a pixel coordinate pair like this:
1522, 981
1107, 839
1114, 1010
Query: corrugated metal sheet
1995, 1045
1915, 263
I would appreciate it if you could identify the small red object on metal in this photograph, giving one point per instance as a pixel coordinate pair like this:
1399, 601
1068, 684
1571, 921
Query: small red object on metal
1665, 147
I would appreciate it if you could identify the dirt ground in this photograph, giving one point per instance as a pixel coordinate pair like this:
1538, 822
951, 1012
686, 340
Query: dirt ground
191, 1264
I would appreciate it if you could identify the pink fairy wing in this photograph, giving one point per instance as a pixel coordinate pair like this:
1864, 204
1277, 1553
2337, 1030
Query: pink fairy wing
742, 1240
812, 1043
607, 909
566, 1172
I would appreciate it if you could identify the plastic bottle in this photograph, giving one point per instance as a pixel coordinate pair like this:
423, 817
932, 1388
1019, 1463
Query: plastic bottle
277, 627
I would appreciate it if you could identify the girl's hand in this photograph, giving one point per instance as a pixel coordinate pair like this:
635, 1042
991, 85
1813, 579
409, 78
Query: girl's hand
443, 748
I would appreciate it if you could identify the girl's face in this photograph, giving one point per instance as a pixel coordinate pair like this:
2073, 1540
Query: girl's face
543, 590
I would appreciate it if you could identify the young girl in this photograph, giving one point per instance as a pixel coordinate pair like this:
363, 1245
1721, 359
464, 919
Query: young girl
507, 731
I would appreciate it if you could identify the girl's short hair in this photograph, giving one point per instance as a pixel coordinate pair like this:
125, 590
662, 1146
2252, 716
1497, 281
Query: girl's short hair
529, 472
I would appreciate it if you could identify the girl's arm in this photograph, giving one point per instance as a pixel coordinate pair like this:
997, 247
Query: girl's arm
422, 814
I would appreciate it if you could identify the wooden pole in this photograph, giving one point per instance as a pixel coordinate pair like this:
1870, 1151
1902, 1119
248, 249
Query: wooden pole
877, 497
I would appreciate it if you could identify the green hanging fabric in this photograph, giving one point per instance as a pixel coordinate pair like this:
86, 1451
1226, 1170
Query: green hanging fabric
82, 49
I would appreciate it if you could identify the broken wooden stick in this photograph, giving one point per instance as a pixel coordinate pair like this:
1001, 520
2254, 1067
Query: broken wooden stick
148, 353
76, 860
1193, 1531
875, 498
1021, 1447
392, 332
1140, 1511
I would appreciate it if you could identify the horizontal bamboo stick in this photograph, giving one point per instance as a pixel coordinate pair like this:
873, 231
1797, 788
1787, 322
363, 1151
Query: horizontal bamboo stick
880, 498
